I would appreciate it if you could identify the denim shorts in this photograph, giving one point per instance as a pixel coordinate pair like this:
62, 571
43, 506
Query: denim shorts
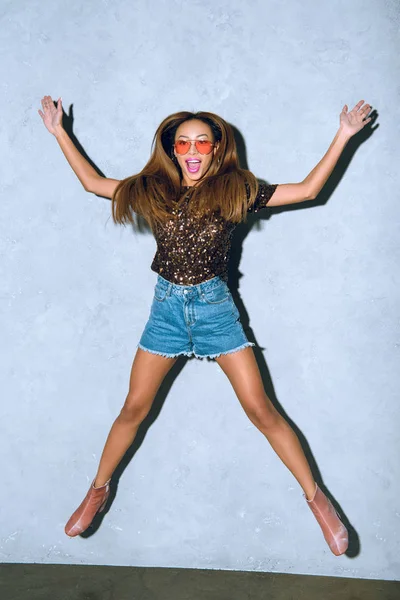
197, 319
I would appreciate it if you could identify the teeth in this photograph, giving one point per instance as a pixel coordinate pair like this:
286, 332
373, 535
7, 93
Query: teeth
193, 161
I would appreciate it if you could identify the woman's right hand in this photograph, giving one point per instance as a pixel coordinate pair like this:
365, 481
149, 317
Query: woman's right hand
52, 116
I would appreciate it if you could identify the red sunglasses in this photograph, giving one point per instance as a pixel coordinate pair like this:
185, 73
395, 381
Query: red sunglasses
202, 146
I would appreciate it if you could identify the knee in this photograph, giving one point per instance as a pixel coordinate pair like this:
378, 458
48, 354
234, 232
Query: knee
264, 416
134, 410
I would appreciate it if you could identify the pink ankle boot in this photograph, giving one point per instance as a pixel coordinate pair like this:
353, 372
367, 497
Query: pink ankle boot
335, 533
94, 502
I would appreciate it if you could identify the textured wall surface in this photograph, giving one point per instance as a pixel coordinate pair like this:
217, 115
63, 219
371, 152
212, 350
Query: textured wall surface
319, 283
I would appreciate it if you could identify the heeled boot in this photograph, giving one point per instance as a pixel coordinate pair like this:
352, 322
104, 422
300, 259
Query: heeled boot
94, 502
335, 533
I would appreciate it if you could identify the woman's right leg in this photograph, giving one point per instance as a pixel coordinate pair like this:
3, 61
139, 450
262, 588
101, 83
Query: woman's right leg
147, 373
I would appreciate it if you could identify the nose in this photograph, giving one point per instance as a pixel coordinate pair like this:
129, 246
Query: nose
193, 149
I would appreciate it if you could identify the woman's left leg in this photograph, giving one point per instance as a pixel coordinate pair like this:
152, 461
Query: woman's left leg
242, 371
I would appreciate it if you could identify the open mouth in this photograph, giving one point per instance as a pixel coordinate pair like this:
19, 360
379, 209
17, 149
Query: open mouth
193, 165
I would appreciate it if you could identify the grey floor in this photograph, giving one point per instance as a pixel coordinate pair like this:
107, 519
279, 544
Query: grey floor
70, 582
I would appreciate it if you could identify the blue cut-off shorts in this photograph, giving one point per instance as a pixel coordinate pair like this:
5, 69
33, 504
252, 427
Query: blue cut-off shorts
197, 319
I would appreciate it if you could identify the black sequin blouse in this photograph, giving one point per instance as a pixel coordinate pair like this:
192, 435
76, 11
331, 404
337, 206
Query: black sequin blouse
191, 250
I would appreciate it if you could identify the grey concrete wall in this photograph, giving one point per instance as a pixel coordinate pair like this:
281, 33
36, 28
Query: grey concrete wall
320, 284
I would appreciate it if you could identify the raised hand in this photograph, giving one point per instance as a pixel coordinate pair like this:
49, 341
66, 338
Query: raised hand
352, 122
52, 116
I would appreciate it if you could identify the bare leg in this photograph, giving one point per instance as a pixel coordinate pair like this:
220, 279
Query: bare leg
242, 371
148, 371
147, 374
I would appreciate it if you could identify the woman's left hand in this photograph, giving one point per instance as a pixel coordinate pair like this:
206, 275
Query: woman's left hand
352, 122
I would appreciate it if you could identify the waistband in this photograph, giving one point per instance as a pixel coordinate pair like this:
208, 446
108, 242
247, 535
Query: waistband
176, 288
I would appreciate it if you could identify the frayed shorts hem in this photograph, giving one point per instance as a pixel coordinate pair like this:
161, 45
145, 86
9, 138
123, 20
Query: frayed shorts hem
192, 353
165, 354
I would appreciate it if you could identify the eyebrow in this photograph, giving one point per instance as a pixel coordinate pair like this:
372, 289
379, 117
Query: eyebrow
200, 135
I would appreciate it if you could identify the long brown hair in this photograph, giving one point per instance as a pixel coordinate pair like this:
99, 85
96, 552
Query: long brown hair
226, 188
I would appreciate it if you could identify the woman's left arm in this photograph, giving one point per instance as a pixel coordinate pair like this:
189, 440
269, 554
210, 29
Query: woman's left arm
350, 124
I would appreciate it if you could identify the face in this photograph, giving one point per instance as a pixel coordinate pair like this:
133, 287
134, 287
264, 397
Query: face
194, 165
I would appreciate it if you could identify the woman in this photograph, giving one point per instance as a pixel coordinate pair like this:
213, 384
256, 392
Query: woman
192, 193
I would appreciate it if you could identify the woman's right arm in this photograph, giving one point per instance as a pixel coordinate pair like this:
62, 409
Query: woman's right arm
87, 175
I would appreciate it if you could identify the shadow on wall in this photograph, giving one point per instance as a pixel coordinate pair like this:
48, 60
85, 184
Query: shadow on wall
234, 276
68, 124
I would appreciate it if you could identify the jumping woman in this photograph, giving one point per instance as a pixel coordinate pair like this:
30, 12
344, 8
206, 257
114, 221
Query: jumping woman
193, 193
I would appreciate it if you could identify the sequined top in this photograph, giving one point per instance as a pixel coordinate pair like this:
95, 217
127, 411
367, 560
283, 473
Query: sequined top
191, 250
